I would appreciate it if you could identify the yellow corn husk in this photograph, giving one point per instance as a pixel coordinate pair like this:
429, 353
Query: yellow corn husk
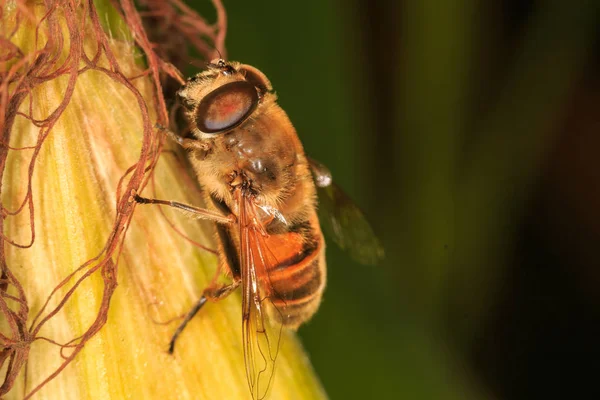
160, 275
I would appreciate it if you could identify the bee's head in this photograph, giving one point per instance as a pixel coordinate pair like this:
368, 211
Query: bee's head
222, 97
250, 142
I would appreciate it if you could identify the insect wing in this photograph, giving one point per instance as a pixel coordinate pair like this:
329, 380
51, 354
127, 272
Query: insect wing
261, 336
345, 223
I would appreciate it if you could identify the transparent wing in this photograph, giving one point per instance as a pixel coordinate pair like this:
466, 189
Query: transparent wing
343, 221
261, 336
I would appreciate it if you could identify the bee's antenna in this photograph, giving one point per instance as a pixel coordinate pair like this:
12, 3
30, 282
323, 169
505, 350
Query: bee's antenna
220, 59
220, 63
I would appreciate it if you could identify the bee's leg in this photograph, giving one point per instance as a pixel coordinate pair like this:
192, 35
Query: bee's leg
216, 292
188, 144
170, 134
200, 213
213, 293
185, 321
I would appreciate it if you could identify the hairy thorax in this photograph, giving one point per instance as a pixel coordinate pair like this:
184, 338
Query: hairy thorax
262, 157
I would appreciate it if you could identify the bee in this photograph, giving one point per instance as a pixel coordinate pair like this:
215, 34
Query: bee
261, 191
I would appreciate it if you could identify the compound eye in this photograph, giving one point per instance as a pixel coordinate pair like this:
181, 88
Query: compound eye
226, 107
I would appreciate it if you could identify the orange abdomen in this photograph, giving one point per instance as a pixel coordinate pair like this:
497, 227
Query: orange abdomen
298, 278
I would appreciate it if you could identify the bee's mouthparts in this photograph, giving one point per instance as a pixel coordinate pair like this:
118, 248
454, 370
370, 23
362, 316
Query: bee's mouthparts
237, 179
240, 182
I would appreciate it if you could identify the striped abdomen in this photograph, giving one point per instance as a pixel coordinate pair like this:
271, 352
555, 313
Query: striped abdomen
296, 271
298, 279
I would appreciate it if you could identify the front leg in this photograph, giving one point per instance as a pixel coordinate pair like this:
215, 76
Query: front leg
188, 144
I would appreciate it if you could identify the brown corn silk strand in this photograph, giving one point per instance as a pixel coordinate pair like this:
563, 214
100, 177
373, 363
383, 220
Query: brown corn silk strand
26, 72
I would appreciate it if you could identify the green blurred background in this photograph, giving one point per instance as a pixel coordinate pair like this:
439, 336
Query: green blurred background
468, 131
